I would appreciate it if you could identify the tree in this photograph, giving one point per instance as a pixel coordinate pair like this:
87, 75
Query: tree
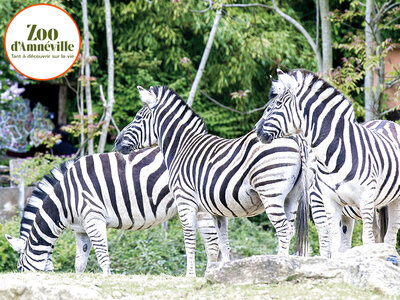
204, 58
327, 56
108, 107
324, 59
86, 71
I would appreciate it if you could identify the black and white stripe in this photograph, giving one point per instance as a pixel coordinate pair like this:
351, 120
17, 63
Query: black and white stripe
356, 165
233, 178
96, 192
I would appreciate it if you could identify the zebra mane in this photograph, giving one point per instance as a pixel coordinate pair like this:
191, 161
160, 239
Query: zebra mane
161, 91
326, 85
42, 189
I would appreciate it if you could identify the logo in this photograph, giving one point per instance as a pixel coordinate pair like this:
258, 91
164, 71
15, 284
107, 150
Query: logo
42, 42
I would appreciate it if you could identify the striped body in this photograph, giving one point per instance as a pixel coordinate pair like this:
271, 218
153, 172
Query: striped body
227, 178
356, 165
96, 192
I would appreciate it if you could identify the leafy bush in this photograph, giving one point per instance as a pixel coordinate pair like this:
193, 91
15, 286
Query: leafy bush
33, 169
8, 257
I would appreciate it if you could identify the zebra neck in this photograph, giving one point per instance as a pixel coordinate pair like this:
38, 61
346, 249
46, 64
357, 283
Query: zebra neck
41, 240
177, 129
327, 127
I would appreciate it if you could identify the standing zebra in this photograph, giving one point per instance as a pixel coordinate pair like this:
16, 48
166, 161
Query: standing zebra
127, 192
357, 166
233, 178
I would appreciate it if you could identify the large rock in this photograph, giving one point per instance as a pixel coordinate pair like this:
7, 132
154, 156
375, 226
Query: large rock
363, 266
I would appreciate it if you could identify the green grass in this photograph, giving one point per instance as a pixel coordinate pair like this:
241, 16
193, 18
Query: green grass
178, 287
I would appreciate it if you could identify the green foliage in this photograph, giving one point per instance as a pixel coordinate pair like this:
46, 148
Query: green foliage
348, 33
8, 257
86, 124
247, 49
33, 169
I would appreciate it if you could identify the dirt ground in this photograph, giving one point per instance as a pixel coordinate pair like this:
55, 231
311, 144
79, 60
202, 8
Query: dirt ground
97, 286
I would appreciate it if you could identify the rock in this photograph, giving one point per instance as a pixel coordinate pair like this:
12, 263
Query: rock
363, 266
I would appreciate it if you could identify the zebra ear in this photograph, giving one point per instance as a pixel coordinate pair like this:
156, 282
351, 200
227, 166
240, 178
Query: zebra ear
16, 243
276, 87
288, 81
147, 97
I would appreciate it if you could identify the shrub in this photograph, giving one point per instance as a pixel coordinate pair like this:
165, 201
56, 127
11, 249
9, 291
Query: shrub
8, 257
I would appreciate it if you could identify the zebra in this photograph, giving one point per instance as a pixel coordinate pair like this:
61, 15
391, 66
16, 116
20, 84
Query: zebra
349, 213
226, 177
357, 166
128, 192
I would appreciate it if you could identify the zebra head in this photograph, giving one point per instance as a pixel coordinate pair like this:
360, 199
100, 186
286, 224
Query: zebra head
28, 260
139, 133
280, 118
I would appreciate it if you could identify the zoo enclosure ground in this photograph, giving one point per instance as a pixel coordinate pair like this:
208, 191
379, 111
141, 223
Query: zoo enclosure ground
97, 286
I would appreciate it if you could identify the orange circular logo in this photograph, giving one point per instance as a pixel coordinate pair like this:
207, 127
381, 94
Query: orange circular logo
42, 42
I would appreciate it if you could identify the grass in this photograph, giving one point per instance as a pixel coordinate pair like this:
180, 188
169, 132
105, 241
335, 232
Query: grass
177, 287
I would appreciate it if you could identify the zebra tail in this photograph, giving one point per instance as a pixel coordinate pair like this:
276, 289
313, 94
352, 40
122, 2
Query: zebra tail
383, 222
303, 210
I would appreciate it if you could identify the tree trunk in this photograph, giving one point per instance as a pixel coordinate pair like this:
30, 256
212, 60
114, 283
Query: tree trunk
86, 77
204, 58
326, 37
380, 79
371, 109
62, 100
110, 89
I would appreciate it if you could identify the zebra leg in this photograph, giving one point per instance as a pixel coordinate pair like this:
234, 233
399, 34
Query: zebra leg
96, 230
221, 224
393, 222
187, 215
209, 235
274, 208
321, 222
83, 247
346, 231
377, 228
367, 216
334, 217
291, 204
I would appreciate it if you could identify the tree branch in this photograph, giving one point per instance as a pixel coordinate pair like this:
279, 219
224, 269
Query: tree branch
248, 5
204, 58
303, 31
232, 109
203, 10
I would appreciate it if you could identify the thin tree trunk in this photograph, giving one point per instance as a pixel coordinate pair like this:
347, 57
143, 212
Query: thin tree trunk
110, 88
81, 110
86, 77
371, 109
326, 37
62, 100
380, 80
204, 58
